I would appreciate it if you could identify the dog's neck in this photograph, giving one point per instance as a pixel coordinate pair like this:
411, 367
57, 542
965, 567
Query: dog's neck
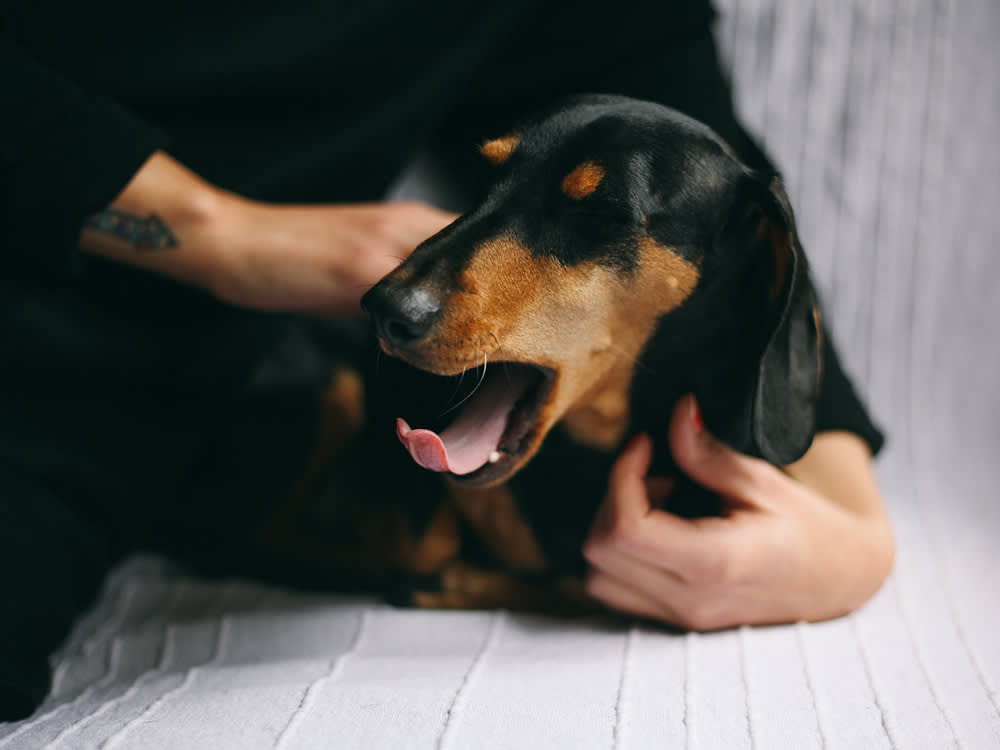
603, 419
695, 351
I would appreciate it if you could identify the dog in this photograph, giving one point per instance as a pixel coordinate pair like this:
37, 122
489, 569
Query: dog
623, 257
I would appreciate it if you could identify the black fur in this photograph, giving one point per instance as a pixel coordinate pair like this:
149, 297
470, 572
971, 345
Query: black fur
745, 342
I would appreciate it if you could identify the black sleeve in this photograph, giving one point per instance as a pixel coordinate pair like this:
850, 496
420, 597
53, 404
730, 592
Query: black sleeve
64, 155
52, 562
839, 406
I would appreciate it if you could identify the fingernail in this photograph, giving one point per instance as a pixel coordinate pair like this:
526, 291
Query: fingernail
696, 419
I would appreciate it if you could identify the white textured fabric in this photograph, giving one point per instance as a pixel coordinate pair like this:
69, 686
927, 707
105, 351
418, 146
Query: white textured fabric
885, 118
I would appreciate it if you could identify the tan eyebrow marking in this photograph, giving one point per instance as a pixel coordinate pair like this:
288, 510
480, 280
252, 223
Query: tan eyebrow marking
499, 149
583, 180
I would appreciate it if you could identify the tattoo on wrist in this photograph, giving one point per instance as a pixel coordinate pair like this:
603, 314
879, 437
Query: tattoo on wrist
142, 232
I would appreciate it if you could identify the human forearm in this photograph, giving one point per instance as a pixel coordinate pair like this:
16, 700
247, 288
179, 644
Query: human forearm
838, 465
163, 221
838, 469
64, 154
306, 258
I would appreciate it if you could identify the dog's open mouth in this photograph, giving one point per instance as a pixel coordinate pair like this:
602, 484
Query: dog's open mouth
492, 428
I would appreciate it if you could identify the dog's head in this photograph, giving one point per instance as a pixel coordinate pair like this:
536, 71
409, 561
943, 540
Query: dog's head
613, 227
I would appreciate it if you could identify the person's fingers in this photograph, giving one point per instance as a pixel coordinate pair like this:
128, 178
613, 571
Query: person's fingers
370, 240
414, 222
435, 219
663, 547
714, 465
693, 549
632, 494
620, 596
685, 607
628, 475
642, 574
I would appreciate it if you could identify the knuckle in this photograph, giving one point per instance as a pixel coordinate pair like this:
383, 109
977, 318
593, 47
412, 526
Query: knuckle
625, 534
616, 528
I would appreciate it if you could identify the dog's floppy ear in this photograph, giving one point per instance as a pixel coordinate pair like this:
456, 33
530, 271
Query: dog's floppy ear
784, 410
782, 377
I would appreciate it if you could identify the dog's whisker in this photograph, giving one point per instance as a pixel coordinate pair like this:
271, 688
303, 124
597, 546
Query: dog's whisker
483, 376
499, 351
458, 387
499, 346
378, 357
471, 393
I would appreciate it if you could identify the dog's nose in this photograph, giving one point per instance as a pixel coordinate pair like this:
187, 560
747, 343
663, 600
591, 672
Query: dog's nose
402, 315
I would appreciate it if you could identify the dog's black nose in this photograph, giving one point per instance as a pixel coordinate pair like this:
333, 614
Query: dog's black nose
402, 315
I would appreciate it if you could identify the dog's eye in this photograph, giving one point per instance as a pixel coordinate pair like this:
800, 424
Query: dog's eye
598, 228
608, 214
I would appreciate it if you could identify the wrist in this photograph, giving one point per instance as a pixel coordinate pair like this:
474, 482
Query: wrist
838, 469
165, 220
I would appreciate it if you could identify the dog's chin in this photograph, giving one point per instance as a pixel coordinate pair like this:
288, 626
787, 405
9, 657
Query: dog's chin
491, 427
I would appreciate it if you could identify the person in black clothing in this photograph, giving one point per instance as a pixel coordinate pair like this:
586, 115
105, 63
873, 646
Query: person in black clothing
184, 185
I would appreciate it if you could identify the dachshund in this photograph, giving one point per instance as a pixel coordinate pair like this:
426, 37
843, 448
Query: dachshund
623, 257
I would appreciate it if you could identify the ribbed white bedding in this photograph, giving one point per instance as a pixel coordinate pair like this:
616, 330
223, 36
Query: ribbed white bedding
885, 118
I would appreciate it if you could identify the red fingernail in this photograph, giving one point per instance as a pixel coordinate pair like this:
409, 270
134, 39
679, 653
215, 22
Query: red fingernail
699, 425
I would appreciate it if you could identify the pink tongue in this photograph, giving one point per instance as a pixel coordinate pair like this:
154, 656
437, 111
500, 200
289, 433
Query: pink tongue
467, 443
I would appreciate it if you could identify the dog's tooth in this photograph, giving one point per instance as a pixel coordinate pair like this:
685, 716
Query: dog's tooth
495, 456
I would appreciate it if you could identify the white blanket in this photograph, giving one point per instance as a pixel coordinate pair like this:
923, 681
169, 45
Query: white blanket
885, 118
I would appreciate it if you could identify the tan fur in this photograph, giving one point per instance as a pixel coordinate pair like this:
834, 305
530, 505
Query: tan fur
493, 513
440, 543
499, 150
465, 586
663, 281
341, 416
583, 180
586, 322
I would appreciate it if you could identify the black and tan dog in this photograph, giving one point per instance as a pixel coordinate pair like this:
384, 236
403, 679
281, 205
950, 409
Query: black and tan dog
624, 257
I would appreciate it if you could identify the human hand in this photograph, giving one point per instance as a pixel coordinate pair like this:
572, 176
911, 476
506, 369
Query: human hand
810, 544
318, 259
295, 258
